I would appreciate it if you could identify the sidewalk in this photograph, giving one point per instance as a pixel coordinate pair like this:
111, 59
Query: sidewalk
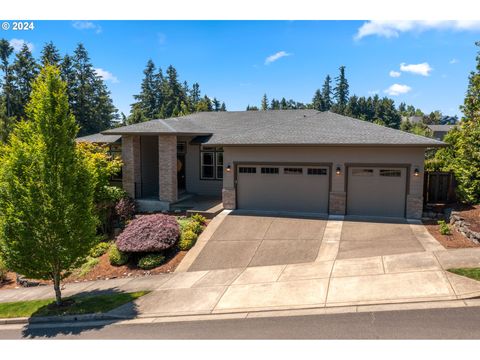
406, 278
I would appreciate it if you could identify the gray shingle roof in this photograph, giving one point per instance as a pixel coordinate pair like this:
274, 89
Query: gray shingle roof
278, 127
99, 138
445, 128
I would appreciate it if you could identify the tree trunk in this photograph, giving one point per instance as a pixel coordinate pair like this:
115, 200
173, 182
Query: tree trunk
56, 287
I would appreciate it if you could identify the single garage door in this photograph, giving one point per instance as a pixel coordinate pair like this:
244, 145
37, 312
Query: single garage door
376, 191
283, 188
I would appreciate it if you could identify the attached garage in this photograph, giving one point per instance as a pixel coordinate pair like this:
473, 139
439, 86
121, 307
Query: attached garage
301, 188
376, 191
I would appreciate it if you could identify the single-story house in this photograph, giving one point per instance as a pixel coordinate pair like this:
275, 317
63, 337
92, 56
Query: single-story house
278, 160
439, 131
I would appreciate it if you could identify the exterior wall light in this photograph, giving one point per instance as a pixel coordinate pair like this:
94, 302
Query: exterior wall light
416, 172
338, 170
229, 168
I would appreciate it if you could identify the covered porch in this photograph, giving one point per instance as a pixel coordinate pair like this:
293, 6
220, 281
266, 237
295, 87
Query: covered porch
168, 172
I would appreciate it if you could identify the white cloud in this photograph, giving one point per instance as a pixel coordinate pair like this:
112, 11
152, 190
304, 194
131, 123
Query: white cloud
87, 25
276, 56
394, 73
389, 28
397, 89
423, 69
162, 38
106, 75
453, 61
17, 44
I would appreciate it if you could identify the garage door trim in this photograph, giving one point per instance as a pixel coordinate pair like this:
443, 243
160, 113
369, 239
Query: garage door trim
236, 164
407, 167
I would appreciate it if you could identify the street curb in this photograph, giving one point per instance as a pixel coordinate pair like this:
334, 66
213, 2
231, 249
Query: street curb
60, 319
70, 319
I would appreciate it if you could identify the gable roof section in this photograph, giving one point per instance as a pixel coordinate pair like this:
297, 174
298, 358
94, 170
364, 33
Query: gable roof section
99, 138
278, 127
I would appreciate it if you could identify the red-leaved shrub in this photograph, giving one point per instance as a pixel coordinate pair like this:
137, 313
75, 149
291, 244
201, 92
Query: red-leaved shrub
149, 233
125, 208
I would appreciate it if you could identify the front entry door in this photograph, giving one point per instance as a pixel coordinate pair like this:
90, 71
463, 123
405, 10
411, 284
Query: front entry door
181, 172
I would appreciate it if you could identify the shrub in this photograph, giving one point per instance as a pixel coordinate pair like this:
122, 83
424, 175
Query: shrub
444, 228
117, 257
99, 249
187, 240
149, 233
151, 261
3, 271
183, 222
194, 226
87, 266
125, 208
199, 218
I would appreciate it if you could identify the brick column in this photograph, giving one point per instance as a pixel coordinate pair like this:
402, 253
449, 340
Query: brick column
131, 163
337, 203
229, 199
167, 167
414, 206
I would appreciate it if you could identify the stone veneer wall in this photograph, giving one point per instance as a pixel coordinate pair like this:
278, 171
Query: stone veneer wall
229, 199
414, 206
131, 163
167, 165
337, 203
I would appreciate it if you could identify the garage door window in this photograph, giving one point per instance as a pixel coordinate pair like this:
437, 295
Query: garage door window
362, 172
390, 173
315, 171
293, 171
269, 170
247, 170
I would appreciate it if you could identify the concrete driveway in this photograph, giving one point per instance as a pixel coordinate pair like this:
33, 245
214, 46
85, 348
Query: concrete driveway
367, 237
244, 240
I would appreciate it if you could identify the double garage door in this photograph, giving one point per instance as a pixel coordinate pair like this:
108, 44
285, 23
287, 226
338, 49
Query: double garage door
283, 188
371, 191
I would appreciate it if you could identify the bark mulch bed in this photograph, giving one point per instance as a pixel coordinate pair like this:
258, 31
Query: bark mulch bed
457, 240
103, 270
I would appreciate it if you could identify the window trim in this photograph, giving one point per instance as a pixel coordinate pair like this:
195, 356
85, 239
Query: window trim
214, 166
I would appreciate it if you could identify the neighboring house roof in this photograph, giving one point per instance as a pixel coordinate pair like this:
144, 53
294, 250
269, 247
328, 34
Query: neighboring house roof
445, 128
99, 138
277, 127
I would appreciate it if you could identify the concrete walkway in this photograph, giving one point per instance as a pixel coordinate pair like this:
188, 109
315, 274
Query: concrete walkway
325, 282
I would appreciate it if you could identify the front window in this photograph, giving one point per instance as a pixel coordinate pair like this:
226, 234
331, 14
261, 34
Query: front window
211, 163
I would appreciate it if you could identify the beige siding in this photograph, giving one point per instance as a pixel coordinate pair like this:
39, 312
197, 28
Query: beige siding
192, 173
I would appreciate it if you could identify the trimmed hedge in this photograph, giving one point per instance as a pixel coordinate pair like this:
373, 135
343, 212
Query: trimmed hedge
99, 249
149, 233
187, 240
117, 257
151, 261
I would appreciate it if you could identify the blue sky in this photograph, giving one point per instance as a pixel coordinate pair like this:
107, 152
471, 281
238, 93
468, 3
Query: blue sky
423, 64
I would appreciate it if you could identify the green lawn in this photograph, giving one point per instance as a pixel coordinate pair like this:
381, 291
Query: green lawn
83, 305
473, 273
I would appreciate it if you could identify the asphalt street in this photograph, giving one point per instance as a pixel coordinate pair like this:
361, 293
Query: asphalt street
450, 323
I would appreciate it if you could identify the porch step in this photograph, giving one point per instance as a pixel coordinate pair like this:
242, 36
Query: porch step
209, 214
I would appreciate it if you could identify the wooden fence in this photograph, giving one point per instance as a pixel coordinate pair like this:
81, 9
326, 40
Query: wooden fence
438, 187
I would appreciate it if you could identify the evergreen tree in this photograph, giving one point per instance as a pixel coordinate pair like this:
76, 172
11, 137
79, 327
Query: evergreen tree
341, 91
50, 54
317, 101
47, 200
195, 94
463, 156
7, 96
327, 93
216, 104
68, 74
283, 104
223, 107
148, 99
252, 108
92, 105
264, 102
25, 69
